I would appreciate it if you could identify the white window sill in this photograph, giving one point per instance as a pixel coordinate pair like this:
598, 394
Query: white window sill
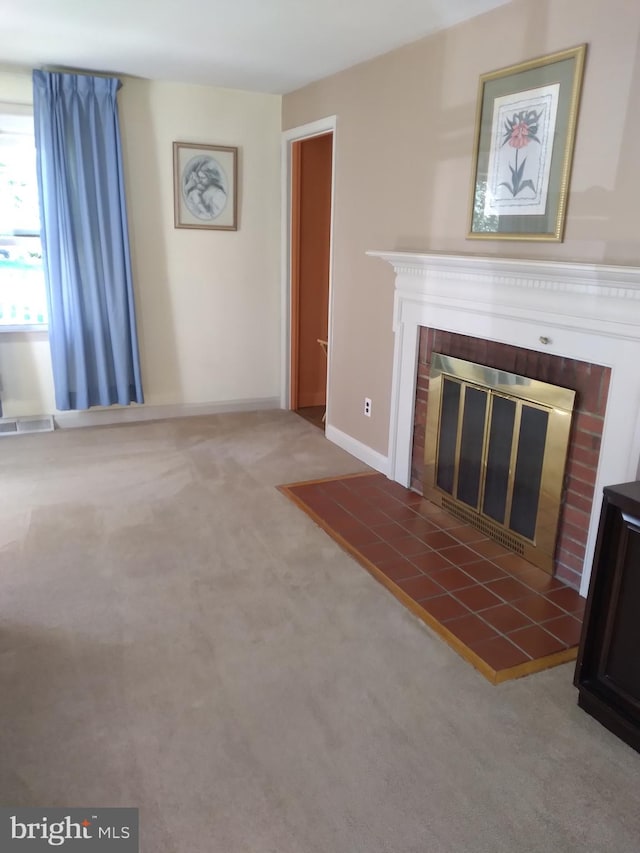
24, 327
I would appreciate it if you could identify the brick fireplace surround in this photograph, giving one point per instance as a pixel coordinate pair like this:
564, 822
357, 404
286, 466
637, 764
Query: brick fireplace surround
575, 325
590, 381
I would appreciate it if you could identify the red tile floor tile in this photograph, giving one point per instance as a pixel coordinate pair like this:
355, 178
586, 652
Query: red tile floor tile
499, 612
444, 607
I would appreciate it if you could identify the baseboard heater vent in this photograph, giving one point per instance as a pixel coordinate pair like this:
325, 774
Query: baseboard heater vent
19, 426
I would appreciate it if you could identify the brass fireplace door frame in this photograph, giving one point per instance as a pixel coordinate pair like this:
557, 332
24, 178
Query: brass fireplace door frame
557, 402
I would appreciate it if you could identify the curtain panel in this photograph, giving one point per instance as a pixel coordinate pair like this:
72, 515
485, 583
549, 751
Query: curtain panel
86, 258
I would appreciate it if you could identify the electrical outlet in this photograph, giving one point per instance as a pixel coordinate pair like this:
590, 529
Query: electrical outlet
367, 406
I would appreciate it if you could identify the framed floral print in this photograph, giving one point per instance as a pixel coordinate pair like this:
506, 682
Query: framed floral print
525, 130
205, 180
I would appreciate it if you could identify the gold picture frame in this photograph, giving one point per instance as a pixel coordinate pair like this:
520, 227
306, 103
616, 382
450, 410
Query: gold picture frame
205, 186
526, 118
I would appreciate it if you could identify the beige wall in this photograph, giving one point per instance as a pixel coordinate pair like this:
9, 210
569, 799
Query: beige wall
405, 132
207, 301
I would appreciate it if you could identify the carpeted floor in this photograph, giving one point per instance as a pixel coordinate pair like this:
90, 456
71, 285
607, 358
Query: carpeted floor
176, 635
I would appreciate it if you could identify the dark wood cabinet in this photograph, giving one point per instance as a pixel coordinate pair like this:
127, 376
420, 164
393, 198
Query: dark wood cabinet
608, 668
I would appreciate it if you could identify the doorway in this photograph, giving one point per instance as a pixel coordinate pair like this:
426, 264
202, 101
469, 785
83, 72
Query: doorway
309, 173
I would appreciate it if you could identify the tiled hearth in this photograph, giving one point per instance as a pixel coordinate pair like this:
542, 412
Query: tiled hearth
502, 614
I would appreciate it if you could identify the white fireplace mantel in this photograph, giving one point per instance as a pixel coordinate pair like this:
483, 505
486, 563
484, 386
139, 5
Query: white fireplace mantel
582, 311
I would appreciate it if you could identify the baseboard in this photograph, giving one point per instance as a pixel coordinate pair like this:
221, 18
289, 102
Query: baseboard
134, 413
356, 448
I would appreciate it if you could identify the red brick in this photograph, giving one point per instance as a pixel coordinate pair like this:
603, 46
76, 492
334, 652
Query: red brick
585, 456
568, 576
420, 415
527, 363
565, 558
584, 503
569, 546
476, 349
435, 341
604, 389
572, 561
579, 487
577, 534
556, 372
481, 353
591, 396
417, 457
498, 356
581, 472
587, 440
571, 558
544, 367
582, 383
521, 362
417, 463
589, 423
582, 373
572, 547
422, 345
575, 516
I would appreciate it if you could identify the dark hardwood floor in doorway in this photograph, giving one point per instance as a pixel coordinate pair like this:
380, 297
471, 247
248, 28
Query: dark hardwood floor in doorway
313, 414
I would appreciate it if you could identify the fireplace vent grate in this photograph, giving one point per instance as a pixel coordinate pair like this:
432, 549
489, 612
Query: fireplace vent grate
482, 524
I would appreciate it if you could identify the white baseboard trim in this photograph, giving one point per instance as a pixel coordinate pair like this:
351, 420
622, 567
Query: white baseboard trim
134, 413
356, 448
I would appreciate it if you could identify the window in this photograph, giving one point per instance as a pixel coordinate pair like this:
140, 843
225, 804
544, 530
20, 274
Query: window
23, 303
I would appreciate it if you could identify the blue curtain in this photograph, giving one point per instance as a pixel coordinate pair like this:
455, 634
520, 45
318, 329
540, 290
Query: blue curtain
92, 326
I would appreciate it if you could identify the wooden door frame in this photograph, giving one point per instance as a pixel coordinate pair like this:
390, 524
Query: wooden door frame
297, 134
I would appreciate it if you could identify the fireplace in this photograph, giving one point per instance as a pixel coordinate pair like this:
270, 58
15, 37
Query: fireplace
591, 384
536, 312
495, 453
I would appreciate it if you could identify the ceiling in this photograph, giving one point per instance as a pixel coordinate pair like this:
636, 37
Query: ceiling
261, 45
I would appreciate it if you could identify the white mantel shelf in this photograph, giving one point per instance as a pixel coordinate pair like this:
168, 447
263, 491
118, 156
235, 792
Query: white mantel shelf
586, 312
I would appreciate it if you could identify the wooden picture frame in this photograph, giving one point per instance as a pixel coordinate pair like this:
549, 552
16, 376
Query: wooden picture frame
205, 186
526, 120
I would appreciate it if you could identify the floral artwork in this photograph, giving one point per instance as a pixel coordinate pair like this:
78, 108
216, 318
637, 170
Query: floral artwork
520, 156
520, 130
526, 118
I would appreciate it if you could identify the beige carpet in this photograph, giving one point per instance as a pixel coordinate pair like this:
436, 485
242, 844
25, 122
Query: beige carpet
176, 635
